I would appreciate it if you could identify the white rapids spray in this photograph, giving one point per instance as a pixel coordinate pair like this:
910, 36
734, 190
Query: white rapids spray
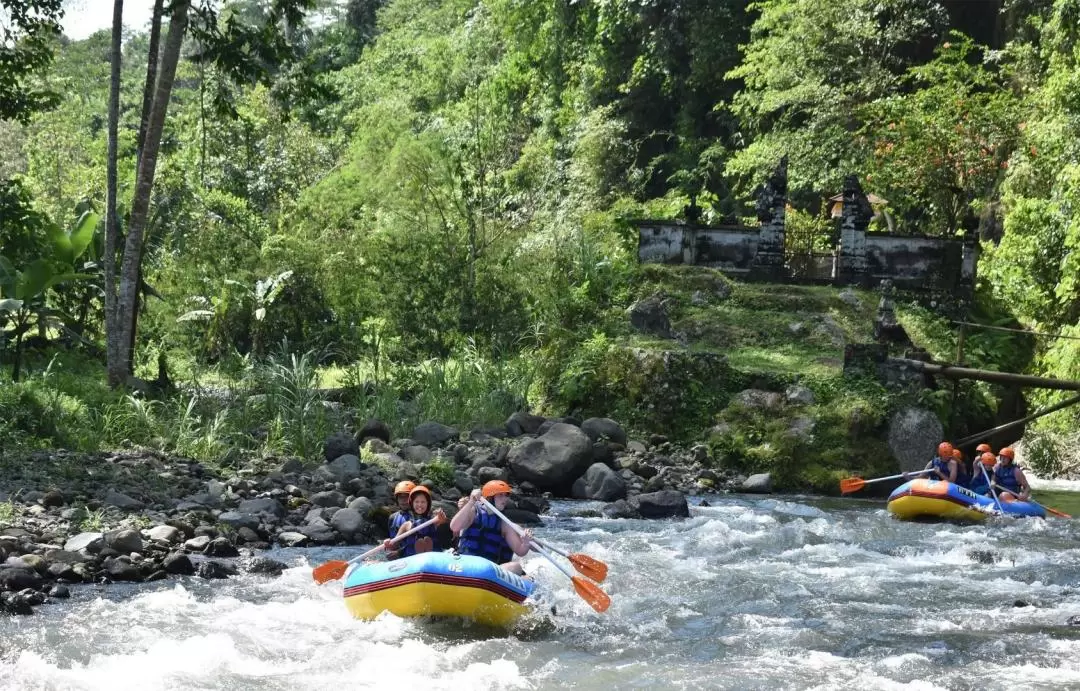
748, 593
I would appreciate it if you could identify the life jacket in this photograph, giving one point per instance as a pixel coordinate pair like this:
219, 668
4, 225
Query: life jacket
1006, 477
397, 519
941, 465
978, 480
408, 545
484, 538
963, 479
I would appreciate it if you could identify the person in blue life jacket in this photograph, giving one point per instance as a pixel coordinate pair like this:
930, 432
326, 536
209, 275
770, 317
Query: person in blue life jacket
401, 516
419, 512
943, 466
484, 534
1009, 478
963, 478
980, 471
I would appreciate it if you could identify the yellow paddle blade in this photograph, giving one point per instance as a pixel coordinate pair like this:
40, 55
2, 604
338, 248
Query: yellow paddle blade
330, 571
851, 484
591, 593
589, 567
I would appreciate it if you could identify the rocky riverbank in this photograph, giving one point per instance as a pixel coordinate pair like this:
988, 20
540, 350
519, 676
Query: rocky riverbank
68, 518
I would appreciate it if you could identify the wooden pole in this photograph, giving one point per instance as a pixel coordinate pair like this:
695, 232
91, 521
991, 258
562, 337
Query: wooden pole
1009, 425
953, 372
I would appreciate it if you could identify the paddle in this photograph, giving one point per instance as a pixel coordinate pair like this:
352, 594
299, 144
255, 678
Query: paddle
333, 570
1047, 509
585, 565
854, 484
586, 590
990, 484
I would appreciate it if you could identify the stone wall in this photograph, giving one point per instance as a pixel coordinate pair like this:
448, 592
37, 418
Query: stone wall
859, 257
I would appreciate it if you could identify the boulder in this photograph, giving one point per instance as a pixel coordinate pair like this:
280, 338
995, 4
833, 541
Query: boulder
488, 473
650, 316
164, 533
351, 524
800, 395
414, 453
914, 434
328, 499
16, 579
214, 569
89, 542
124, 541
292, 539
342, 469
602, 428
122, 501
121, 569
756, 398
373, 428
237, 520
554, 460
340, 444
759, 483
361, 505
601, 483
263, 506
433, 434
663, 504
523, 423
221, 547
620, 509
178, 564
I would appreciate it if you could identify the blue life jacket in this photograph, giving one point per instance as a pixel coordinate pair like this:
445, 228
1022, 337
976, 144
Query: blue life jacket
484, 538
397, 519
941, 465
408, 545
1006, 477
978, 483
963, 479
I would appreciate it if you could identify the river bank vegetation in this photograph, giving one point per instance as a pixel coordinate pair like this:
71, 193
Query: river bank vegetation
419, 210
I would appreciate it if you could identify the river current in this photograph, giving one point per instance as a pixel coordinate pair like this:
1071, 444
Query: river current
748, 593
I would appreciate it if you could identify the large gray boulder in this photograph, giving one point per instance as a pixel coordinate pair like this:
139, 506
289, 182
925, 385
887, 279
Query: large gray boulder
759, 483
433, 434
523, 423
601, 483
554, 460
650, 316
340, 444
262, 506
373, 428
666, 503
124, 541
914, 434
350, 523
601, 428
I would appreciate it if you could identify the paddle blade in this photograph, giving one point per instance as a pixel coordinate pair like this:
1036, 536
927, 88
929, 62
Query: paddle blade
851, 484
591, 593
330, 571
1055, 512
589, 567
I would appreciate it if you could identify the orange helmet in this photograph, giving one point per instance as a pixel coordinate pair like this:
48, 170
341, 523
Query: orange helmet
494, 487
988, 458
958, 454
983, 448
944, 449
404, 487
420, 489
1007, 452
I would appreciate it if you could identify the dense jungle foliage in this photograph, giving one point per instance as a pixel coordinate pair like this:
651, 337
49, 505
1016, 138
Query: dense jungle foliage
435, 193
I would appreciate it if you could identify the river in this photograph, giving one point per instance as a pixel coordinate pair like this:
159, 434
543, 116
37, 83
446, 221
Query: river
751, 592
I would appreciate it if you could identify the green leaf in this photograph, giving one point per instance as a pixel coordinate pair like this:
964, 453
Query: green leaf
33, 280
83, 233
195, 315
61, 243
8, 274
10, 305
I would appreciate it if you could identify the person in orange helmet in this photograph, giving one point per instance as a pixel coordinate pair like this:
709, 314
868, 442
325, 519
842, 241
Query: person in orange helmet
963, 478
1009, 478
399, 517
420, 512
483, 534
943, 466
980, 472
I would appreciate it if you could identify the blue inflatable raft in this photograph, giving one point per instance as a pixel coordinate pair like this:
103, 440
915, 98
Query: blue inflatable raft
924, 498
438, 584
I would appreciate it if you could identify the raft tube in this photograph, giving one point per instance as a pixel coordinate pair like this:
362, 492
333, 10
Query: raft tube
924, 498
438, 584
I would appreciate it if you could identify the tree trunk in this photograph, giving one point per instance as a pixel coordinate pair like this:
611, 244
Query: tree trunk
144, 182
115, 371
151, 76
